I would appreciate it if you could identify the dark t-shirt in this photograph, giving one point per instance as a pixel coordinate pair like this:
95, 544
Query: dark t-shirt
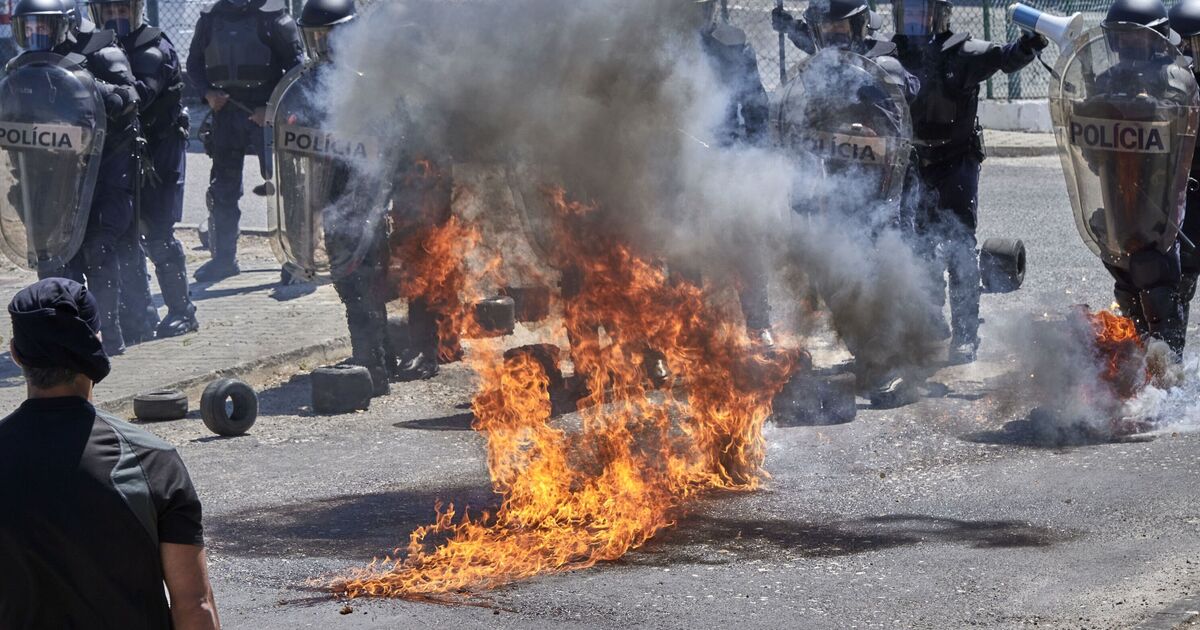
85, 500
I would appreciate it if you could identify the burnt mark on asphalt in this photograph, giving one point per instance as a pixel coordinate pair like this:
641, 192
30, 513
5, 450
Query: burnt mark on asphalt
702, 539
352, 527
455, 422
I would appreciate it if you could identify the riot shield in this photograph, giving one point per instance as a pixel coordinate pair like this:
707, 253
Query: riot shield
52, 124
323, 217
845, 121
1125, 109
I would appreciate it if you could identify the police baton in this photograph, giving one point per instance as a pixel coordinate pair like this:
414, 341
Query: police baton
265, 165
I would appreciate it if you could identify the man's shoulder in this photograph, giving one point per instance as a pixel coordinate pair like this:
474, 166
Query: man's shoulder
137, 437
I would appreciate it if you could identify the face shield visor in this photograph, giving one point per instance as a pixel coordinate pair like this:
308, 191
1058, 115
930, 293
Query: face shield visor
1132, 42
845, 34
701, 13
40, 32
1190, 45
120, 17
316, 40
921, 18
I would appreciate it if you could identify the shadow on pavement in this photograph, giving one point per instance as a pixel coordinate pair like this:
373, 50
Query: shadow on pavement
1043, 429
694, 538
351, 527
456, 422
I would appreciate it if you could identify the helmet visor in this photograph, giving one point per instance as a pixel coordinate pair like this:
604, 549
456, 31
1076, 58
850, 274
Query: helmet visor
1190, 46
915, 18
316, 40
39, 32
1132, 42
120, 17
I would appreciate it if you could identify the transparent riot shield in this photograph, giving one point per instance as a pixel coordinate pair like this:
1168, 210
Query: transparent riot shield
323, 217
845, 121
1125, 109
52, 124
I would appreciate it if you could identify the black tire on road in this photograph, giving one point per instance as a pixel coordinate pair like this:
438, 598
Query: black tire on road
1002, 265
837, 396
338, 389
221, 420
160, 406
496, 315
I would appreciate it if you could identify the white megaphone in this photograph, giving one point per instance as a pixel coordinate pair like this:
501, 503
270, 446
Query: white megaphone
1058, 29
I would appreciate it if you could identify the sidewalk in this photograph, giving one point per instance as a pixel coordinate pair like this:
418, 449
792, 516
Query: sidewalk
1018, 144
249, 329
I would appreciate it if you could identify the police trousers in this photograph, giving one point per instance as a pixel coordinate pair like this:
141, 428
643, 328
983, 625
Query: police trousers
945, 220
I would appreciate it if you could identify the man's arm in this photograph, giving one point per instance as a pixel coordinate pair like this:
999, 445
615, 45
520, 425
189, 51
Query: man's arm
286, 43
196, 71
753, 98
185, 570
983, 59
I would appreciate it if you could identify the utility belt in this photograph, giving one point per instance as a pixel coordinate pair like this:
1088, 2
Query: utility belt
930, 152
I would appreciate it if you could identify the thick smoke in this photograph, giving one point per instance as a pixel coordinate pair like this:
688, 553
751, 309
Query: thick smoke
615, 101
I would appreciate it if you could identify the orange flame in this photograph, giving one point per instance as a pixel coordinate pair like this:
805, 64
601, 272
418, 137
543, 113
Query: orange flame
1119, 346
570, 499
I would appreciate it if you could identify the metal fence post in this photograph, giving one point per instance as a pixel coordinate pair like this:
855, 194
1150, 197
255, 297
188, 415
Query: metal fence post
152, 12
725, 10
987, 35
1014, 79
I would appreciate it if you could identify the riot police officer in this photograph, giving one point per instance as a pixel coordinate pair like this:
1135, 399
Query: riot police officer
1185, 20
239, 52
843, 24
164, 125
950, 66
1147, 87
43, 25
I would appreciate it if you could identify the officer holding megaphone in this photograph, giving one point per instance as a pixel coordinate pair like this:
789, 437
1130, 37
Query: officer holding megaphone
950, 67
1058, 29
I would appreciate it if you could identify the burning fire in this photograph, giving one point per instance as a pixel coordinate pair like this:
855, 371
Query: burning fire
570, 499
1118, 346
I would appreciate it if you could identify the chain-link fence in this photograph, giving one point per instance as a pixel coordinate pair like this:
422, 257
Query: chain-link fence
984, 19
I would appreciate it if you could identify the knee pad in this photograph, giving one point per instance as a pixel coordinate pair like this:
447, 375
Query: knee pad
1151, 268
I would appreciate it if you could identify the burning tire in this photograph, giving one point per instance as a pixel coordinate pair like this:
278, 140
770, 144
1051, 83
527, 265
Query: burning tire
531, 304
496, 315
1002, 265
809, 400
160, 406
234, 419
339, 389
547, 355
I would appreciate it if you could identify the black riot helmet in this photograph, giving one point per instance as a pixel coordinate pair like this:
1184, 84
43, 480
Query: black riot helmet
120, 16
838, 23
40, 24
317, 20
921, 18
1128, 25
1185, 20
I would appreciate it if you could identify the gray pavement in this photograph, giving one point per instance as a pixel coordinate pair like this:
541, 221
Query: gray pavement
938, 515
248, 328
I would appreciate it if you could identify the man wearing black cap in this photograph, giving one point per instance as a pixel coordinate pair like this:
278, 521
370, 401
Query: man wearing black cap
95, 514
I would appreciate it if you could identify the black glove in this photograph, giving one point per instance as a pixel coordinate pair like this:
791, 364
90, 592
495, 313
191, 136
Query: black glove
1033, 42
781, 20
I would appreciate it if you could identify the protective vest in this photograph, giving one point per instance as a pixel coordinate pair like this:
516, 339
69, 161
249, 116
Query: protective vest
237, 59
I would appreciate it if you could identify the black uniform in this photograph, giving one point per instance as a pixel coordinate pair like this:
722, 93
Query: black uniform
950, 66
244, 52
1189, 252
165, 128
112, 202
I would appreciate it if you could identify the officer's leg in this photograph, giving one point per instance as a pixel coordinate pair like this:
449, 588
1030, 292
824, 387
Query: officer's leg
366, 315
923, 196
162, 208
1156, 276
959, 198
139, 317
225, 189
110, 216
752, 293
1189, 259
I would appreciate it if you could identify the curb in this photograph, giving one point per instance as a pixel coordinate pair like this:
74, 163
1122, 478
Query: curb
1020, 151
257, 372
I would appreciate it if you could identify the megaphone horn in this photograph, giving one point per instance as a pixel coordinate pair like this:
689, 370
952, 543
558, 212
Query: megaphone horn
1058, 29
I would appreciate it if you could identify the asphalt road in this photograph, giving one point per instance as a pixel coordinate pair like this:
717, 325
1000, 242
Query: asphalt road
942, 514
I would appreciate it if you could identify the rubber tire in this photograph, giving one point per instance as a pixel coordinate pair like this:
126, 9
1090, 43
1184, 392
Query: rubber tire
160, 406
547, 355
339, 389
532, 304
1002, 265
245, 407
496, 315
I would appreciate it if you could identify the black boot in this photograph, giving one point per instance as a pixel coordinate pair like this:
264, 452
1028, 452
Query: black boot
223, 243
415, 364
170, 267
